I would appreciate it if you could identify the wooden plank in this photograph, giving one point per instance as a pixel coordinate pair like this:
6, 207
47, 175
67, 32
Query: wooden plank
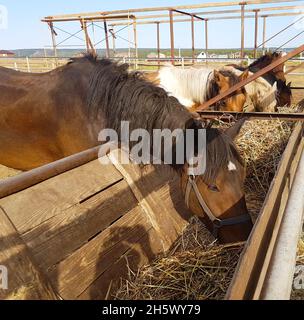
58, 237
31, 207
25, 281
204, 13
217, 18
106, 285
251, 262
161, 218
284, 198
75, 274
32, 177
151, 9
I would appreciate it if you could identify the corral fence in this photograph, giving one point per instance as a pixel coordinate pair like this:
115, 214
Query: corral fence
44, 64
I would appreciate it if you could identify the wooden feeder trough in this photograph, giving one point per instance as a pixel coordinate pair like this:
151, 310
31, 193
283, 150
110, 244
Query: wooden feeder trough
73, 228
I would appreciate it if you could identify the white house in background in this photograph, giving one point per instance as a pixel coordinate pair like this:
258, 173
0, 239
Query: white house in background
201, 57
6, 53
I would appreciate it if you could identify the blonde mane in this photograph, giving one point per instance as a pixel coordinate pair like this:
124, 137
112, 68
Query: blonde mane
189, 86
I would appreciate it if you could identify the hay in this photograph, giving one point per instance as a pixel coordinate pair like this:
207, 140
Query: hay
261, 144
194, 269
198, 267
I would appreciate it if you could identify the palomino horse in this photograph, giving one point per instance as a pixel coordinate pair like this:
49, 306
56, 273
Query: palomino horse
44, 117
192, 87
262, 94
276, 77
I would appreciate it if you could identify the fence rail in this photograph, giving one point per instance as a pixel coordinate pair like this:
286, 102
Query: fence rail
44, 64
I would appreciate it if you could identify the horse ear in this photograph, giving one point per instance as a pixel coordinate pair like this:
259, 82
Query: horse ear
233, 131
289, 85
244, 75
218, 77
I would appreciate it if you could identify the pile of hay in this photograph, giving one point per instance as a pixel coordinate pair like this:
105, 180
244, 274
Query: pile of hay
197, 267
261, 144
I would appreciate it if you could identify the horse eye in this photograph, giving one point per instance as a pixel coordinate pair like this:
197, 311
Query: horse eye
213, 187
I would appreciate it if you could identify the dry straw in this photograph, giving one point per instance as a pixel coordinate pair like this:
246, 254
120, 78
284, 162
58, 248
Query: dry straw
197, 267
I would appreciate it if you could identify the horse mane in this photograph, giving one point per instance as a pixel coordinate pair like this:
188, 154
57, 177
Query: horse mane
197, 84
117, 95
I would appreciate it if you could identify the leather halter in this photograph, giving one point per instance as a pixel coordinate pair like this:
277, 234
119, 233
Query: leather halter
216, 222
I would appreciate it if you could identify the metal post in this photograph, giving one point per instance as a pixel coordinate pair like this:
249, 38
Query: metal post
158, 43
242, 28
107, 38
84, 28
135, 41
192, 35
256, 21
28, 64
113, 40
206, 39
264, 33
171, 36
53, 33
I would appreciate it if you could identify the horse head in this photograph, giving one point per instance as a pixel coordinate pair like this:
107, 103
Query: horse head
224, 80
217, 196
284, 94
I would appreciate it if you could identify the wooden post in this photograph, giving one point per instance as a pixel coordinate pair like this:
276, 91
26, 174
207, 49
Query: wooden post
53, 33
264, 33
256, 21
171, 36
107, 38
242, 28
135, 41
84, 28
192, 36
158, 43
206, 39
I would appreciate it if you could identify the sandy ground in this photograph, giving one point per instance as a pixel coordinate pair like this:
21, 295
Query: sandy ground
7, 172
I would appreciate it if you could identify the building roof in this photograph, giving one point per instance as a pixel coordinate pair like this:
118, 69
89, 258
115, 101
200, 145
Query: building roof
6, 52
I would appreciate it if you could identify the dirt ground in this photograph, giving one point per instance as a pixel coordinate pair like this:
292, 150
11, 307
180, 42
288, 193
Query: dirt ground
6, 172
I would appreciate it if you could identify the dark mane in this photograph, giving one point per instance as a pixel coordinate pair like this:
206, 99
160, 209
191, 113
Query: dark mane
233, 78
118, 95
264, 60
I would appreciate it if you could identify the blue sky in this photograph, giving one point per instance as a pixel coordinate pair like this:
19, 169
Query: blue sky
25, 30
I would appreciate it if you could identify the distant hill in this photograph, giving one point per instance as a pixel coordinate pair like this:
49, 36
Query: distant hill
142, 52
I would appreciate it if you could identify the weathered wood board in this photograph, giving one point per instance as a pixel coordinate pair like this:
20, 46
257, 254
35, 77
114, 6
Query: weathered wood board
85, 228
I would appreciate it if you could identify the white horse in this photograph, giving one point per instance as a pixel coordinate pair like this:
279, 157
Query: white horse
192, 87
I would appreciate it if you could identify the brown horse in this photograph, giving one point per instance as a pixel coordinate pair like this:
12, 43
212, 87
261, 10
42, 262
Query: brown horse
194, 86
277, 75
44, 117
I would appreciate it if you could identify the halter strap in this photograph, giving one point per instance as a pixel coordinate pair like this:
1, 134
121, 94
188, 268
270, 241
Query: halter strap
216, 222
